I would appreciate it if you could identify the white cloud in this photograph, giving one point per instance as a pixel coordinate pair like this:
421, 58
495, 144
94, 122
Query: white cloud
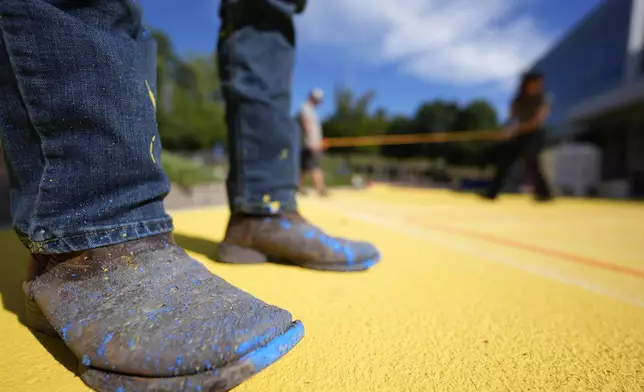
455, 42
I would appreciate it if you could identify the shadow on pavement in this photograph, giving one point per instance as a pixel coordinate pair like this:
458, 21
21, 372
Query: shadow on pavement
5, 216
12, 272
201, 246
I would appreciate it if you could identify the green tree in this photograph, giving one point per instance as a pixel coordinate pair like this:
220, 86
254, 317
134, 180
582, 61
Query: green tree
437, 116
401, 125
166, 64
190, 114
477, 115
440, 116
352, 117
434, 117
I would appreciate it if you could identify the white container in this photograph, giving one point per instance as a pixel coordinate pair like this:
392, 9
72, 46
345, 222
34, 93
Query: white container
572, 168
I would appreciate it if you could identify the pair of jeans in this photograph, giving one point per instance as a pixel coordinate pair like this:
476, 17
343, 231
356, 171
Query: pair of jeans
77, 82
78, 127
527, 146
256, 59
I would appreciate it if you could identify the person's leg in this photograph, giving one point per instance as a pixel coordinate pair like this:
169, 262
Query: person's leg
507, 155
256, 59
533, 167
256, 53
77, 122
80, 133
318, 179
304, 170
317, 175
302, 187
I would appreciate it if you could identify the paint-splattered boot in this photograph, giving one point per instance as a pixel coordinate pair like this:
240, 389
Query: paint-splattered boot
288, 238
144, 316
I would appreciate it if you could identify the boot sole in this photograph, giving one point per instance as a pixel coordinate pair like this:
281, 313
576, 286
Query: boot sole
235, 254
215, 380
362, 265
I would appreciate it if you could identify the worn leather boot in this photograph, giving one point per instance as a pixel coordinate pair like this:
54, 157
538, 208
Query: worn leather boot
288, 238
144, 316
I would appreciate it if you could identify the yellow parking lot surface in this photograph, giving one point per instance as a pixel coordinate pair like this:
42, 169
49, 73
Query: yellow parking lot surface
469, 296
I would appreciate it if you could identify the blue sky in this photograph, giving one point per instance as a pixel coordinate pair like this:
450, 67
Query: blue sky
406, 50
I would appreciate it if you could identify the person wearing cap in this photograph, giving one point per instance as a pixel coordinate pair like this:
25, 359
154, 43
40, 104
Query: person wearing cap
256, 60
312, 137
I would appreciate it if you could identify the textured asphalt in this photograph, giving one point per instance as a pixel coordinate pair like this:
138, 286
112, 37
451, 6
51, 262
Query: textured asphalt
469, 296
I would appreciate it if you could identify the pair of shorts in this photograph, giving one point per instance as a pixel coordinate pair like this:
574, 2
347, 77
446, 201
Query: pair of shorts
310, 159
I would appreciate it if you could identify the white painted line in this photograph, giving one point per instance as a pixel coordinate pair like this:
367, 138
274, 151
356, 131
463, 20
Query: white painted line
460, 246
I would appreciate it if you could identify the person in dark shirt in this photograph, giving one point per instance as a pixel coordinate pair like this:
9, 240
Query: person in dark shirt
524, 136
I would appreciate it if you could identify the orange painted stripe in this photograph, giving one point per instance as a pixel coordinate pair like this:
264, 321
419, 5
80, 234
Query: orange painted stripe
570, 257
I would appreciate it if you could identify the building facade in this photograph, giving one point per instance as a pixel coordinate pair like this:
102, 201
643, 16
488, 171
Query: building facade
596, 75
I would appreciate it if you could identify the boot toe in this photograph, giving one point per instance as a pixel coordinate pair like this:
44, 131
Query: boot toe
167, 316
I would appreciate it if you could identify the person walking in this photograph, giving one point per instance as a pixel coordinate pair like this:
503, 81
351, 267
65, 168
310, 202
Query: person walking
524, 137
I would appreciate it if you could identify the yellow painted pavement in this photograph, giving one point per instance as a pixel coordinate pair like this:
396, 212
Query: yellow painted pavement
470, 296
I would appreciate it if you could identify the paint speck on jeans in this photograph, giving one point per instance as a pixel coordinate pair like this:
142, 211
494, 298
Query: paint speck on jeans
36, 247
274, 206
154, 160
284, 153
151, 95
